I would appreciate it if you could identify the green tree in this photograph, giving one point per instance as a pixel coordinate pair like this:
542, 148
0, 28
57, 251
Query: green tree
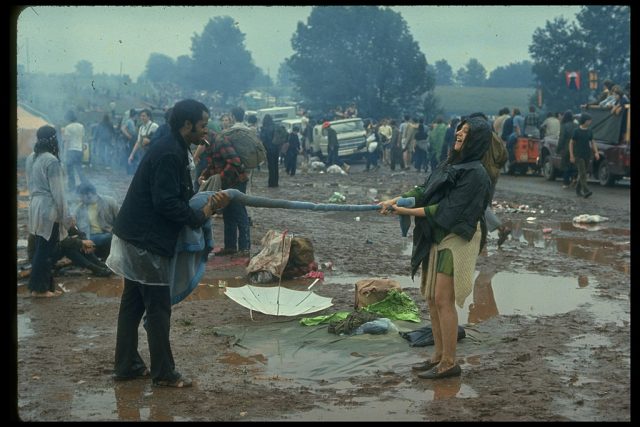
261, 79
220, 60
606, 33
444, 73
472, 74
556, 49
599, 41
84, 68
160, 68
183, 77
284, 74
516, 74
362, 54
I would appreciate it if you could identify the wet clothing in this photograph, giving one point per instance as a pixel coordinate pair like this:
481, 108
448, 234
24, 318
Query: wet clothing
47, 210
155, 210
156, 205
461, 188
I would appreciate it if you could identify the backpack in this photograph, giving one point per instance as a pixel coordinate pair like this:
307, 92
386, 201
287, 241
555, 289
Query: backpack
495, 157
280, 135
247, 145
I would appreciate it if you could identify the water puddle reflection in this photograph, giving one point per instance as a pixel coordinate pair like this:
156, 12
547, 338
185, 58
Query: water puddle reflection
526, 294
126, 401
593, 242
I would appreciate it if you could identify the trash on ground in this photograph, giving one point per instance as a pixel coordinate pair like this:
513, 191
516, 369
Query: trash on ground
337, 198
586, 218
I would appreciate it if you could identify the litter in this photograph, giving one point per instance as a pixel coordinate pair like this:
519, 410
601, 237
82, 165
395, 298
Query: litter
586, 218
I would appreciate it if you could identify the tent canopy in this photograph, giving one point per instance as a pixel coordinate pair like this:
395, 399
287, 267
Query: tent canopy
28, 125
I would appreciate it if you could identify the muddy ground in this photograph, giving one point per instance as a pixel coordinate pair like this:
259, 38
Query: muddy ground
520, 365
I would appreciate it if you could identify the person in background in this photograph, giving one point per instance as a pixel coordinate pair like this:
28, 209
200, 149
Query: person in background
450, 138
77, 248
163, 129
145, 133
48, 212
273, 151
293, 149
154, 211
532, 123
580, 148
102, 146
448, 235
223, 160
551, 126
130, 132
73, 135
95, 216
567, 126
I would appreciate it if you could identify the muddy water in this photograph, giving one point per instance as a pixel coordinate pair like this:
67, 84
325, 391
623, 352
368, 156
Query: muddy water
289, 355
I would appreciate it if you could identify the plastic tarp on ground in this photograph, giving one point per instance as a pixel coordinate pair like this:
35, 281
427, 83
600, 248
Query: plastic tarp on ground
28, 125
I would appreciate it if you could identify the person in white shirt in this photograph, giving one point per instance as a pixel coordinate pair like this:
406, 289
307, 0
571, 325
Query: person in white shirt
145, 132
73, 135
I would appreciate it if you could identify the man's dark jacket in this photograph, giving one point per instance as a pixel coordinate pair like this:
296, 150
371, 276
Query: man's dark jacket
156, 206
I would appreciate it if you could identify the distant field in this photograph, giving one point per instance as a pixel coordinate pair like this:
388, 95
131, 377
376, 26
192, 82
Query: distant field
465, 100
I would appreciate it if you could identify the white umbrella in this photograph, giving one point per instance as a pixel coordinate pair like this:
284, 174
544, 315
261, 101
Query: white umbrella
277, 300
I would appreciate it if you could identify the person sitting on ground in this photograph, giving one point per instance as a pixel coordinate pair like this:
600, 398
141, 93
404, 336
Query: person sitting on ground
78, 249
95, 217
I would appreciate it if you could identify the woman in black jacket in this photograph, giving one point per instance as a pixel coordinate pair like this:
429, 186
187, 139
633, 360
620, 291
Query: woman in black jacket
448, 236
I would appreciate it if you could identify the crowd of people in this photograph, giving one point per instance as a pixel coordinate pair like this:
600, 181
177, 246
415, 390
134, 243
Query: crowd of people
137, 240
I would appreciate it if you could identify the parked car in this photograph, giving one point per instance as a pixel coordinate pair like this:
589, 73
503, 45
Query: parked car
613, 146
351, 138
290, 123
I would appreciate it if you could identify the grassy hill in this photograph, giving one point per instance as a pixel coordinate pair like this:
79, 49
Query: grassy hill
466, 100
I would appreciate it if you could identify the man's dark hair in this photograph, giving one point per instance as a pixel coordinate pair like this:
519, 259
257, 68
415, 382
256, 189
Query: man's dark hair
584, 117
147, 112
238, 114
252, 120
86, 188
186, 110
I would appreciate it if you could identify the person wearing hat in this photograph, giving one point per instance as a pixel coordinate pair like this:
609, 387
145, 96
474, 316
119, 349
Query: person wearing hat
95, 217
48, 219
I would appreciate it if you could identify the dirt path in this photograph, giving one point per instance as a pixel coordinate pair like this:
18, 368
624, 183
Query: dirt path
529, 363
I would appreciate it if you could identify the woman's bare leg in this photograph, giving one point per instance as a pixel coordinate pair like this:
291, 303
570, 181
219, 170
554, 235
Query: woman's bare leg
435, 329
447, 320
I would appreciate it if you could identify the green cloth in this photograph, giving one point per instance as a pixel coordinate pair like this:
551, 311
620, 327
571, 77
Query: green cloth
445, 257
397, 305
318, 320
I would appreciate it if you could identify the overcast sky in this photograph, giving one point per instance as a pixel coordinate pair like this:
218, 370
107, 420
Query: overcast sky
53, 39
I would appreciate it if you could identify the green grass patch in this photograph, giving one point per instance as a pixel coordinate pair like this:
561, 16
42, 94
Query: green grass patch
466, 100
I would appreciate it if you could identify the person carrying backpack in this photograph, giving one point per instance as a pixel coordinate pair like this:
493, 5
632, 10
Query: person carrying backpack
493, 161
223, 159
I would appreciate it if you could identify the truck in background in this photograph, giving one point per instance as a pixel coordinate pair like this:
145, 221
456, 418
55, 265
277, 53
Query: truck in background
351, 138
278, 114
613, 141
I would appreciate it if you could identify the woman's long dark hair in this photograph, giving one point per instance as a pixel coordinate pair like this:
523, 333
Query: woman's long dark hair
476, 144
47, 141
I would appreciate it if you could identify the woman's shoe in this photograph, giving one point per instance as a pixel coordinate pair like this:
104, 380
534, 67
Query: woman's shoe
424, 366
433, 374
